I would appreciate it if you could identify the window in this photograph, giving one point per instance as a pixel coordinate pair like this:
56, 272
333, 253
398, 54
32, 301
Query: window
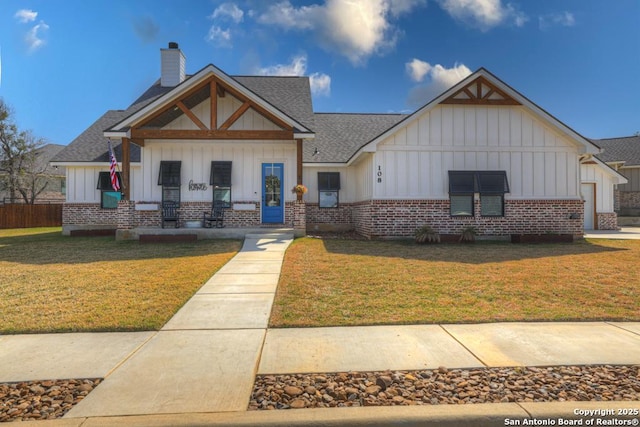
108, 198
220, 180
169, 178
492, 185
329, 189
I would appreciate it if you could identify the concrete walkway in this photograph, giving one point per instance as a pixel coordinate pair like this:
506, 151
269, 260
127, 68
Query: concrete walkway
624, 233
199, 369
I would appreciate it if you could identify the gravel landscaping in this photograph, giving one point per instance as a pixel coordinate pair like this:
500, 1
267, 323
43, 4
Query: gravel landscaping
42, 400
447, 386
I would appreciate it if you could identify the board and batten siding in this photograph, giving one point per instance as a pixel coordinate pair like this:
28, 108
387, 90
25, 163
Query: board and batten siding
196, 158
415, 160
592, 173
347, 182
82, 182
633, 176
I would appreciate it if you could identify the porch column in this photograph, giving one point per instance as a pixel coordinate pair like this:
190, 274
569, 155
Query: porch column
126, 168
299, 164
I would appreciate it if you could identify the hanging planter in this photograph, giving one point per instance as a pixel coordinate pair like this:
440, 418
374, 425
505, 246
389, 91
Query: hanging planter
300, 190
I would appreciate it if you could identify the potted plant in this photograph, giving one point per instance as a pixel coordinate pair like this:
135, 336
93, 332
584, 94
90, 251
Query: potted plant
426, 234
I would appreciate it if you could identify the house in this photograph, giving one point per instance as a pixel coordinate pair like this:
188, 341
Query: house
46, 181
479, 154
623, 155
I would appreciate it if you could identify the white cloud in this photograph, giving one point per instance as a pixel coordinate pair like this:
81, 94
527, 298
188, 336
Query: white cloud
320, 82
33, 38
483, 14
25, 15
219, 37
563, 19
355, 29
439, 79
417, 69
228, 11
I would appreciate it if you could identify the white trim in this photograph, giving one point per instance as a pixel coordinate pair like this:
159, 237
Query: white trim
117, 134
617, 176
324, 165
304, 136
194, 80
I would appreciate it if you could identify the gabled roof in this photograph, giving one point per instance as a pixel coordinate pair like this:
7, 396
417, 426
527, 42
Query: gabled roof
512, 94
340, 135
292, 95
198, 78
624, 149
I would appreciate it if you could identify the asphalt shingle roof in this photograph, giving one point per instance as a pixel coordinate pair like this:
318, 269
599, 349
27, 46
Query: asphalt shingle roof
291, 95
625, 149
340, 135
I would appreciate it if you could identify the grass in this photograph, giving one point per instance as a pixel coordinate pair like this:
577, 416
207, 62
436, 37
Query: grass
53, 283
344, 282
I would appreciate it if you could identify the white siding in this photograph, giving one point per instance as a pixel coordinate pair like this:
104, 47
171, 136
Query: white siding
593, 173
540, 163
348, 182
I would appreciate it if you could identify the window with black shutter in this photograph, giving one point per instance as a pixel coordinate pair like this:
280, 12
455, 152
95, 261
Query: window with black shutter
220, 180
491, 185
328, 189
108, 196
169, 178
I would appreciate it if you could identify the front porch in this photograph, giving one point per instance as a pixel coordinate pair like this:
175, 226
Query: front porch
188, 233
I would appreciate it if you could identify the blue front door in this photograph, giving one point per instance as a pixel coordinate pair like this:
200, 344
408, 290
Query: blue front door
272, 203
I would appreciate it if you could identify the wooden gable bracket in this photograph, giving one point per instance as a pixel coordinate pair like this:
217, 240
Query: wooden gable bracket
480, 92
213, 131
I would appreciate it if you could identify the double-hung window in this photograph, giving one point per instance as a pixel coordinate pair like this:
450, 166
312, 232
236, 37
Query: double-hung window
108, 197
220, 180
328, 189
491, 185
169, 178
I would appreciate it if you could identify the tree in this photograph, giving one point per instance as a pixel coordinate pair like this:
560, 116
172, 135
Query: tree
20, 173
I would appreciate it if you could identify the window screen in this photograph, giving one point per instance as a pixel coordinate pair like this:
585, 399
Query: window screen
169, 173
461, 205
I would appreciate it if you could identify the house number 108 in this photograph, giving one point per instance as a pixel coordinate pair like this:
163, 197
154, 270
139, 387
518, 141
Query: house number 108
379, 173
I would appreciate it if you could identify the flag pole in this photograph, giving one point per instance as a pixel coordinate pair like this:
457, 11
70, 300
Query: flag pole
113, 161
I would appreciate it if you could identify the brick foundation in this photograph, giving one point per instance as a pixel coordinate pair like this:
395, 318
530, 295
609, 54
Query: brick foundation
607, 221
386, 218
329, 219
81, 214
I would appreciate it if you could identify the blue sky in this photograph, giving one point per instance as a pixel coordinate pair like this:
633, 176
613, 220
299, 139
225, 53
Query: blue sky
64, 63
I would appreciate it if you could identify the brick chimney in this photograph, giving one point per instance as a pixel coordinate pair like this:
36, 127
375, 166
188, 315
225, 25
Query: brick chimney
172, 66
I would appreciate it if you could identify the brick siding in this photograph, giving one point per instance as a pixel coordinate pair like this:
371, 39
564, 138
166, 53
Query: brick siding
88, 214
328, 219
629, 200
386, 218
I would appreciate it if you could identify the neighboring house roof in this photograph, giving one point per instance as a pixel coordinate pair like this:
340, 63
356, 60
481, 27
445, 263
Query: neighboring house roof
588, 145
44, 155
340, 135
624, 149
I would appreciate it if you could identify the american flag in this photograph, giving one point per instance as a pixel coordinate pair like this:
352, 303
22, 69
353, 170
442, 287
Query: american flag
112, 169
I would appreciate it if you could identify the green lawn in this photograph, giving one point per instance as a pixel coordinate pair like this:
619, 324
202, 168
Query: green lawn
351, 282
53, 283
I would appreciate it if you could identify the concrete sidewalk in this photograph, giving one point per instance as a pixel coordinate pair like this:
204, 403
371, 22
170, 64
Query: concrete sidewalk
199, 369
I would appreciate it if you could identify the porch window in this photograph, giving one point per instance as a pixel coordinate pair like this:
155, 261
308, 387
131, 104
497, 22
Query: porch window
169, 178
328, 189
491, 185
220, 180
108, 198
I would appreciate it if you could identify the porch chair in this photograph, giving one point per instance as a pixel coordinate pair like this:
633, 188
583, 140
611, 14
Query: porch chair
170, 212
216, 215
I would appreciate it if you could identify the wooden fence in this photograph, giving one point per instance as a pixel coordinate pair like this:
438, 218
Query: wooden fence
25, 216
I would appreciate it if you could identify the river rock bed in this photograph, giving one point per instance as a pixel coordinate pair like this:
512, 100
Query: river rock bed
42, 400
446, 386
